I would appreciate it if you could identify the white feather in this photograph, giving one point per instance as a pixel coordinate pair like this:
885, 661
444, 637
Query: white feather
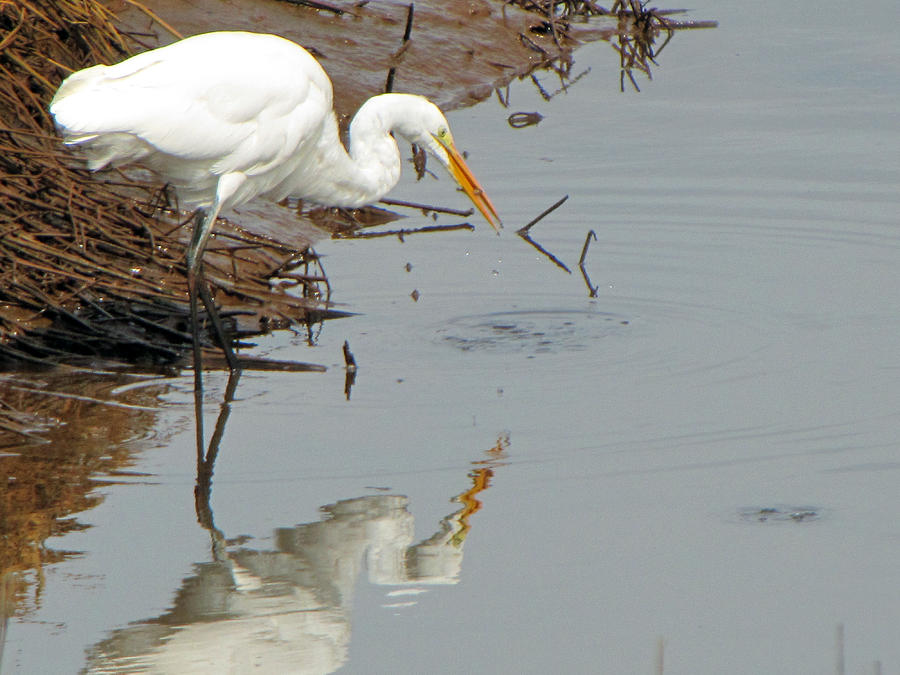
227, 116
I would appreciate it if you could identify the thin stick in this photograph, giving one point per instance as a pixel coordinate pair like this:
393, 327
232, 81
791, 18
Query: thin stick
349, 361
402, 233
587, 242
592, 290
524, 230
428, 207
389, 84
350, 375
409, 19
12, 34
217, 361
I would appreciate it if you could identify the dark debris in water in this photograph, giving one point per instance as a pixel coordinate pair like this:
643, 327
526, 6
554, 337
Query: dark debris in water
592, 289
520, 120
780, 514
530, 332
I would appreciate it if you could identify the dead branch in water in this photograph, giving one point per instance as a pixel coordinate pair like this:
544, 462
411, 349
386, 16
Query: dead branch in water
523, 231
400, 234
592, 290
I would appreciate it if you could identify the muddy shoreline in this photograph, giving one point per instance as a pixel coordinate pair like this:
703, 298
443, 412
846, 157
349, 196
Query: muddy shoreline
457, 54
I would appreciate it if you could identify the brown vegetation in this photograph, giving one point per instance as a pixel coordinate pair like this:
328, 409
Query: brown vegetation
90, 267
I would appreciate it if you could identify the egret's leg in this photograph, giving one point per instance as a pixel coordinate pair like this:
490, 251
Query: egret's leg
218, 324
198, 362
195, 329
197, 286
203, 226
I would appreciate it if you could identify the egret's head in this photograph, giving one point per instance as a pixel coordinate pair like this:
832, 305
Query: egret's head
433, 134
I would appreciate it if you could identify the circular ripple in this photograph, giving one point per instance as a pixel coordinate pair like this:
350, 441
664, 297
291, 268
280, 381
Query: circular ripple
640, 336
533, 332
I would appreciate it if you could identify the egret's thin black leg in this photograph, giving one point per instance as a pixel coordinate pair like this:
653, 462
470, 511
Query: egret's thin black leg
218, 325
197, 285
198, 359
192, 269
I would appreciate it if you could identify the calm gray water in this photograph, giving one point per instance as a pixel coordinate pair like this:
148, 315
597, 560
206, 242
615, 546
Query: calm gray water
694, 472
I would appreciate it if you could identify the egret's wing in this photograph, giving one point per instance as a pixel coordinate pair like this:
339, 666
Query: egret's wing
240, 101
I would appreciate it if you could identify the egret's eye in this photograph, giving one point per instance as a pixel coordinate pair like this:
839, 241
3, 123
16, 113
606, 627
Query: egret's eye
443, 132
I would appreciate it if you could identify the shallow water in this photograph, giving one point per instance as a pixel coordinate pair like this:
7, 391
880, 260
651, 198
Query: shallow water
693, 472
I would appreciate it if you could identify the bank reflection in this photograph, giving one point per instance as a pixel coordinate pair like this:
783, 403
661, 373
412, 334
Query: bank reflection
287, 608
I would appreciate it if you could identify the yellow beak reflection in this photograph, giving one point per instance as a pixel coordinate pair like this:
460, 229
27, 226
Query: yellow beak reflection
463, 175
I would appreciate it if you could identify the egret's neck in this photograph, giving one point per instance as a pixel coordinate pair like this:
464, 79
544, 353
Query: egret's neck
373, 150
372, 166
336, 177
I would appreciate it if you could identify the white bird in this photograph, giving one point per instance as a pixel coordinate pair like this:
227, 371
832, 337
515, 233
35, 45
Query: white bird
225, 117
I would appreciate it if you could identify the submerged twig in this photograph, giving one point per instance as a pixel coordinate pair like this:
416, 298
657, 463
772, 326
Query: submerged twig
540, 88
559, 263
402, 233
349, 361
587, 280
500, 97
350, 376
214, 360
426, 208
587, 242
522, 231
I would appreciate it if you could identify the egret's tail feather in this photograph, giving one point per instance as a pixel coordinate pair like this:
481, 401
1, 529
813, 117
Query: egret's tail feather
101, 151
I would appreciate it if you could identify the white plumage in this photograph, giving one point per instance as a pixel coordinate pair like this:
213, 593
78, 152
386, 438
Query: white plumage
251, 107
225, 117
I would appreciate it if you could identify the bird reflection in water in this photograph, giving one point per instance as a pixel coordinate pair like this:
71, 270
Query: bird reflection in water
288, 609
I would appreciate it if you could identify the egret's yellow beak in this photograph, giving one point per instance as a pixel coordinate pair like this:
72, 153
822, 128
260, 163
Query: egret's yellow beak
463, 175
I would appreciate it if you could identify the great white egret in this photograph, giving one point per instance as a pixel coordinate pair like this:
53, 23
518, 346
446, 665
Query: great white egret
228, 116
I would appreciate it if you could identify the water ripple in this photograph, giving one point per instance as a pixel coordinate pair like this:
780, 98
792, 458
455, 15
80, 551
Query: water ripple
532, 331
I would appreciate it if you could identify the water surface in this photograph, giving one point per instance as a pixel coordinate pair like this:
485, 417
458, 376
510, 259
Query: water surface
694, 471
